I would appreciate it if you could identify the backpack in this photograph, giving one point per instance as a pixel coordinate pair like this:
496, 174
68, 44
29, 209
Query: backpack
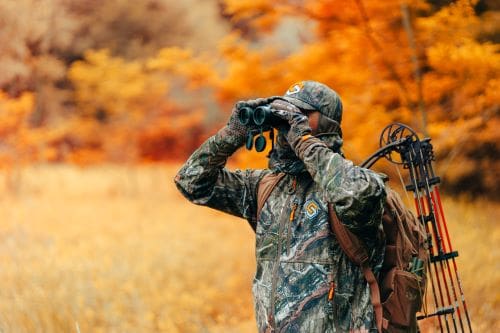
397, 294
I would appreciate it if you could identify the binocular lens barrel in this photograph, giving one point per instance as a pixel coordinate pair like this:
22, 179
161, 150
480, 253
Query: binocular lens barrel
245, 116
261, 115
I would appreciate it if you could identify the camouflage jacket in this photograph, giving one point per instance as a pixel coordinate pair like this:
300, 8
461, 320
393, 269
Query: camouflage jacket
303, 281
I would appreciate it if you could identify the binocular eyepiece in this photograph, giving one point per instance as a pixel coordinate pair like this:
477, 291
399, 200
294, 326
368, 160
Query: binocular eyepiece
260, 116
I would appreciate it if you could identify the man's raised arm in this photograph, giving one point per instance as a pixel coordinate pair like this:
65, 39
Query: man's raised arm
358, 194
204, 180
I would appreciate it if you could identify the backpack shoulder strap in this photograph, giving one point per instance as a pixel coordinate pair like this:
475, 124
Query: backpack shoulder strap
349, 242
356, 252
265, 187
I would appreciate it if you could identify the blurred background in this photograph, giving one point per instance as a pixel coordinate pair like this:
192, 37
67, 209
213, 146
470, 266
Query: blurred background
101, 102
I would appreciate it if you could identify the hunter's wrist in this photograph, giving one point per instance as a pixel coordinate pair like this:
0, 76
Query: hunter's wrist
305, 143
230, 137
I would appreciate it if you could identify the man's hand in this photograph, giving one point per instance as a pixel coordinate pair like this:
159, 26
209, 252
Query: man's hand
253, 103
235, 132
299, 123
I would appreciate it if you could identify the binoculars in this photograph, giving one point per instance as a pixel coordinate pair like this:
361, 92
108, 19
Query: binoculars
260, 116
263, 118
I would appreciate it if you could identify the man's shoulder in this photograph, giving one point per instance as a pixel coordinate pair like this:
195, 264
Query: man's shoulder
254, 174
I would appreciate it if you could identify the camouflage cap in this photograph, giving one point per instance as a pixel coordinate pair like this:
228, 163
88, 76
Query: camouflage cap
312, 95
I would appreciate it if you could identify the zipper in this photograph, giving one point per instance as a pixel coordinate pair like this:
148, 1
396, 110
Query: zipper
274, 277
331, 292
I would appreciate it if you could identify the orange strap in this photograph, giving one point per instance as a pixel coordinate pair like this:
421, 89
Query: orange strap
349, 242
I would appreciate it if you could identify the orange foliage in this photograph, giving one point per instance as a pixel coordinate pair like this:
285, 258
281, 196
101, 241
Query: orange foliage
129, 105
16, 140
114, 86
362, 50
386, 63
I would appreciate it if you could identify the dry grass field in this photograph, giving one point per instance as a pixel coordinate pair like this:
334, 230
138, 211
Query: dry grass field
117, 249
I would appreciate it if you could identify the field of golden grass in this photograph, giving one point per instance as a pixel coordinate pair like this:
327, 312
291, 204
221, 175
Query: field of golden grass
117, 249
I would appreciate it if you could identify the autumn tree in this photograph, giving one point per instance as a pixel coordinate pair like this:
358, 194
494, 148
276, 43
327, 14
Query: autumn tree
462, 94
33, 35
390, 61
133, 114
44, 48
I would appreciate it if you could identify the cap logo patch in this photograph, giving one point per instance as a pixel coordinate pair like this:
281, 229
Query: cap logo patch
295, 88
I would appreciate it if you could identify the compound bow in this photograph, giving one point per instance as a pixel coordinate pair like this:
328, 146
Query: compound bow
401, 145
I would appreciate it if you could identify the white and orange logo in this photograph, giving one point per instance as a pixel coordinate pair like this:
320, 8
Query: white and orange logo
295, 88
312, 209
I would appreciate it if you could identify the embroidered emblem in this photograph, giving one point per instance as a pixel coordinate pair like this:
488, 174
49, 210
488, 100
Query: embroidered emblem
295, 88
312, 209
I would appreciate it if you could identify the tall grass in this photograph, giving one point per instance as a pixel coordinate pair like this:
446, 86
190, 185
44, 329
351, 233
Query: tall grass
117, 249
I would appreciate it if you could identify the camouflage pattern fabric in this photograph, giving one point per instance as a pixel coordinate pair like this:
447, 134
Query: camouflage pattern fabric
299, 262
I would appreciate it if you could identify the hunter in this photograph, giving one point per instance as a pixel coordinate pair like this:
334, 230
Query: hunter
303, 282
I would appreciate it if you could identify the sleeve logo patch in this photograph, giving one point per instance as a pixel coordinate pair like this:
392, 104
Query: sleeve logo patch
295, 88
312, 209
